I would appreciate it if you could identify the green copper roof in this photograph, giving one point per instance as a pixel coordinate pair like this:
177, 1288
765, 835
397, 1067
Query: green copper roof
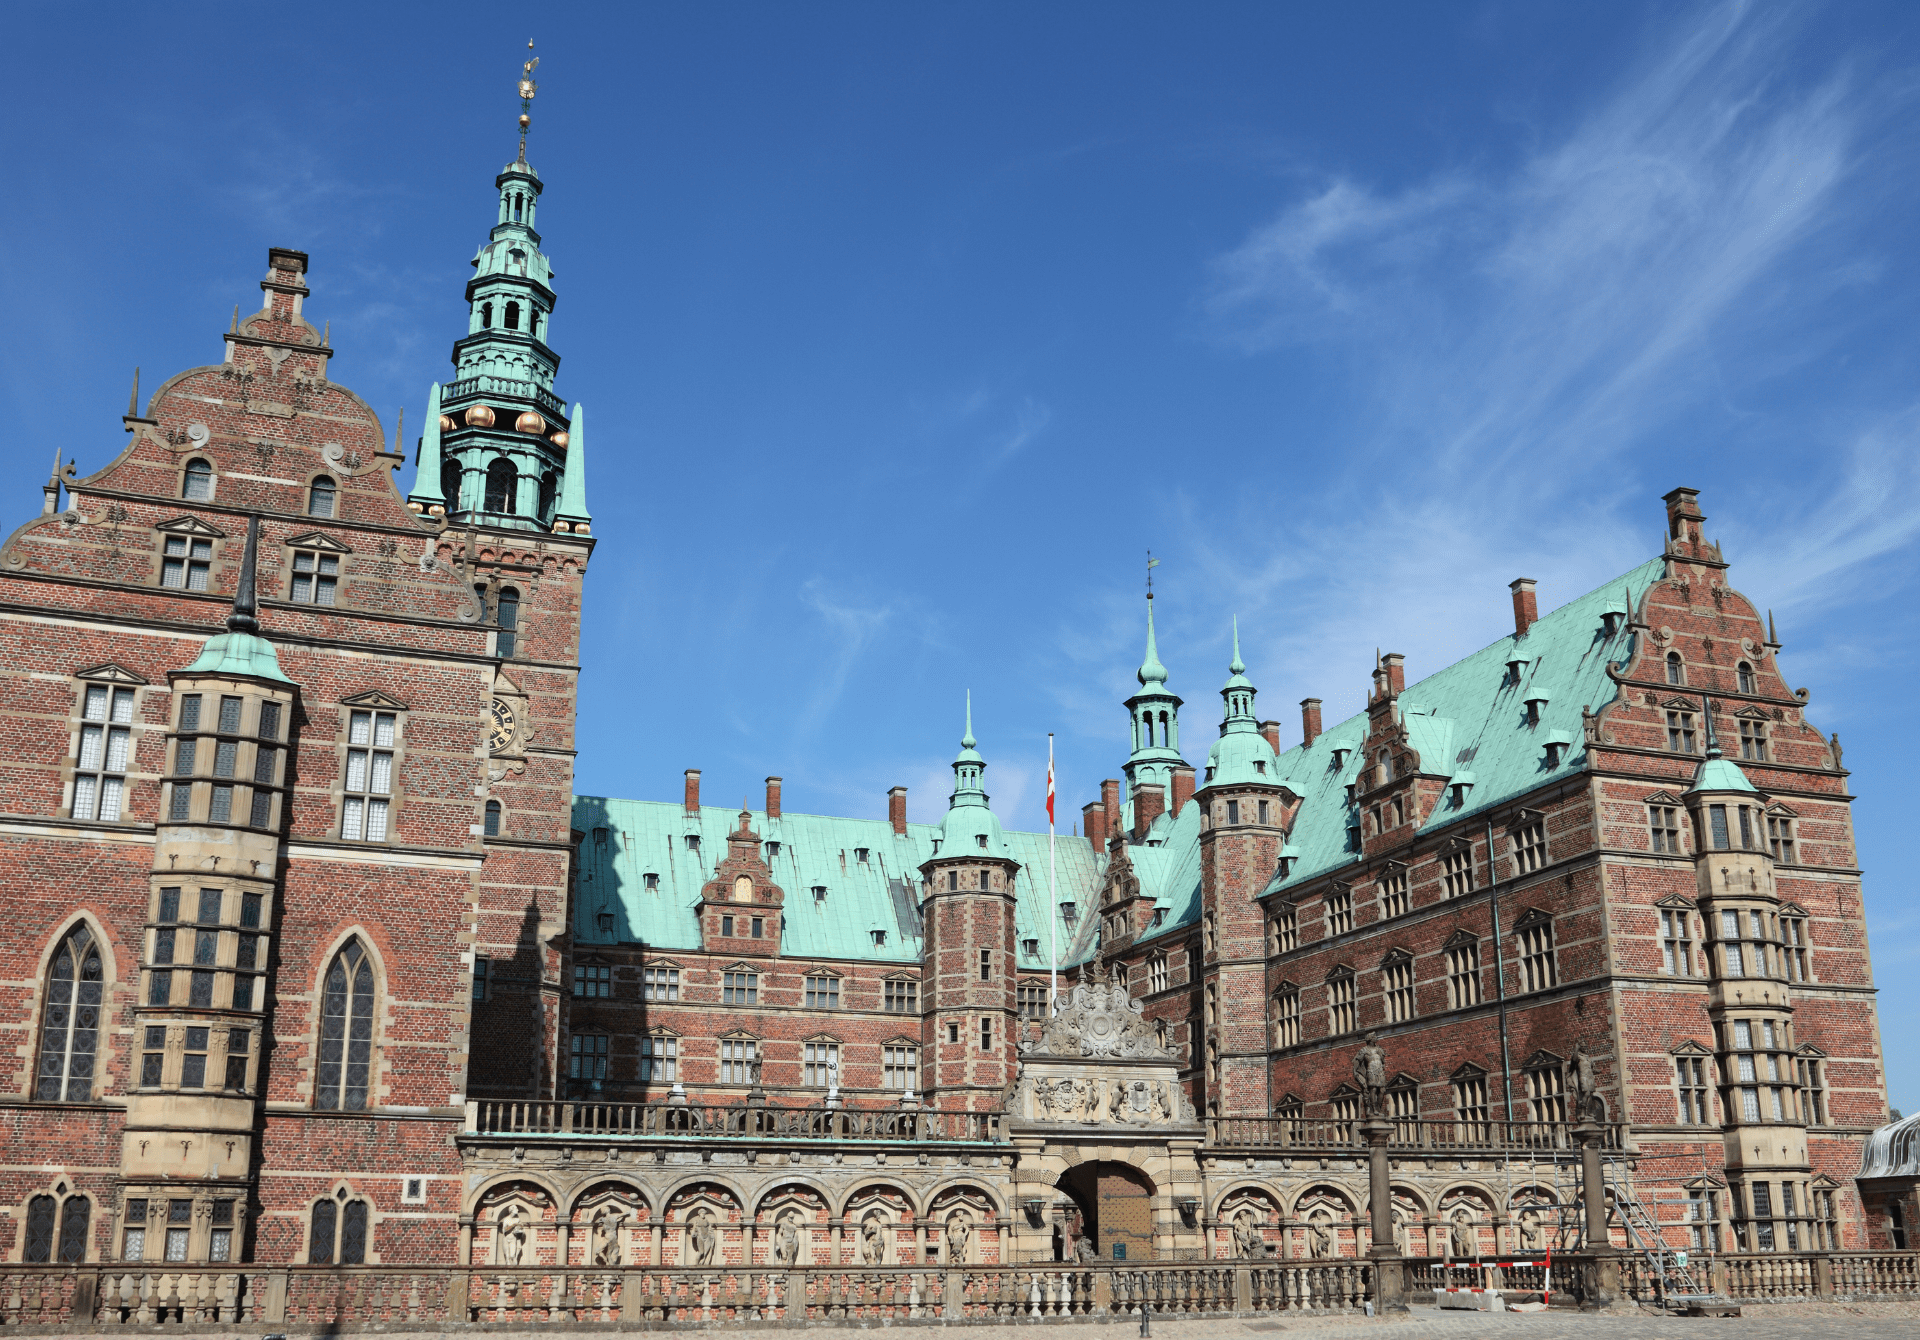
238, 654
1719, 774
573, 485
426, 467
1151, 673
628, 840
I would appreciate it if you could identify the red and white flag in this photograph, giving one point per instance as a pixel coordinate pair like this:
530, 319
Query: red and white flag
1049, 781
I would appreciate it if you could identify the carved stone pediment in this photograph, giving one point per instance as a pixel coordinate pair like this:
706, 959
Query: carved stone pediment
1057, 1093
1100, 1019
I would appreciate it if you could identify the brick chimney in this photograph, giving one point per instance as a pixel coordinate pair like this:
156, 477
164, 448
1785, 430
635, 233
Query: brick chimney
1093, 822
1684, 517
1110, 802
897, 810
693, 791
773, 797
1182, 786
1310, 718
1271, 729
1149, 803
1526, 609
1396, 668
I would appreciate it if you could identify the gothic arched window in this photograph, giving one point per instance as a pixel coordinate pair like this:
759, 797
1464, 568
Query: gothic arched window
72, 1020
197, 484
346, 1032
503, 483
74, 1217
339, 1233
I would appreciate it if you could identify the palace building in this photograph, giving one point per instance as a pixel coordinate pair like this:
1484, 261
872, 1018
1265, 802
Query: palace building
318, 960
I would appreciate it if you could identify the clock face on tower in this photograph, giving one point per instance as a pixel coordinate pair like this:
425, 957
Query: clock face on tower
504, 723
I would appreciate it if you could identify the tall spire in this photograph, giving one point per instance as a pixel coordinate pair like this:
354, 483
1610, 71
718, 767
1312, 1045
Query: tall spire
427, 494
572, 512
1155, 717
968, 767
1236, 667
245, 607
1151, 672
1238, 692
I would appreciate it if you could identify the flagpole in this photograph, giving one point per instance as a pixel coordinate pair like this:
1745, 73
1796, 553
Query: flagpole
1053, 900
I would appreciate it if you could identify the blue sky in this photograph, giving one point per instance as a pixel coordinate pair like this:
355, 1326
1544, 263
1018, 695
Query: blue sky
907, 330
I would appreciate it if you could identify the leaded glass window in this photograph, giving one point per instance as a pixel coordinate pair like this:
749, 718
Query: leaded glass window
346, 1032
72, 1020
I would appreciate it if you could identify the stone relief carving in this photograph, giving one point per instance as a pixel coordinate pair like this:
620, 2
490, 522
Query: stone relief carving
1100, 1018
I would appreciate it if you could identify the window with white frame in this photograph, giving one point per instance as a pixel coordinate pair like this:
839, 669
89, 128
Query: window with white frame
589, 1059
1753, 739
1157, 974
740, 988
1340, 1014
371, 739
1530, 847
1470, 1105
736, 1060
1339, 910
1393, 894
186, 562
1676, 942
1283, 929
659, 1058
1546, 1094
316, 577
1396, 984
592, 981
1680, 732
821, 1062
823, 993
1663, 822
1463, 974
660, 984
1793, 946
1537, 969
1286, 1016
106, 747
1690, 1075
1780, 837
900, 1066
1457, 872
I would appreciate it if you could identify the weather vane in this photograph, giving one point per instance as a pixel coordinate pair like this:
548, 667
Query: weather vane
527, 89
1152, 563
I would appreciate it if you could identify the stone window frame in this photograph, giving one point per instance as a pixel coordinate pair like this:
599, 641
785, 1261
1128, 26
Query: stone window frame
374, 702
1472, 1102
1544, 1074
1795, 945
1342, 1000
1537, 950
1810, 1075
586, 973
186, 467
189, 528
750, 988
377, 1086
109, 676
320, 545
63, 1190
890, 1068
1392, 883
1695, 1079
1456, 868
1527, 844
1397, 987
1781, 823
342, 1194
1464, 974
333, 513
659, 1050
1286, 1014
897, 982
808, 1065
1283, 927
1337, 909
1755, 744
668, 985
723, 1063
601, 1056
1688, 945
837, 989
109, 1005
1159, 973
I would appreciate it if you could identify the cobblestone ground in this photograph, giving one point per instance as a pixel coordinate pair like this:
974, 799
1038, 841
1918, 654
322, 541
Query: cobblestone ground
1760, 1321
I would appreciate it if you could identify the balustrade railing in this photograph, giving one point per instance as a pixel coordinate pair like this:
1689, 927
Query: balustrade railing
488, 384
738, 1121
1440, 1136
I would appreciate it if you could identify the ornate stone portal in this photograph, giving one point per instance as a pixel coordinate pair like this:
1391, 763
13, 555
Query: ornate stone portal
1099, 1063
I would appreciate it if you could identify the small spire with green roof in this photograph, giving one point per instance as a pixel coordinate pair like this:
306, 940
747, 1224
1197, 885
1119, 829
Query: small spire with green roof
241, 650
969, 818
1155, 715
1717, 772
1238, 692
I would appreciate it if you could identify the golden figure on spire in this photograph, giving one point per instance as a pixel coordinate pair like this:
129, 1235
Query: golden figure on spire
527, 89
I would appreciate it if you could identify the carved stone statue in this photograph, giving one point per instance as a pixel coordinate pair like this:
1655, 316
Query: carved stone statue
1402, 1235
1100, 1018
701, 1241
873, 1243
1465, 1240
605, 1237
1583, 1096
959, 1237
1247, 1240
1532, 1238
1319, 1235
786, 1240
1370, 1075
510, 1235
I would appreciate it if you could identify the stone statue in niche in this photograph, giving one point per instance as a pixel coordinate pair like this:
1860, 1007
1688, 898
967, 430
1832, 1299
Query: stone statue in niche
1532, 1238
1247, 1239
1320, 1235
873, 1241
605, 1237
959, 1237
510, 1235
786, 1239
1464, 1239
700, 1242
1370, 1076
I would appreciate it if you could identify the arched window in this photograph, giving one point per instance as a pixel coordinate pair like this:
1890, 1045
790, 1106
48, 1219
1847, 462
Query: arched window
513, 316
503, 482
1675, 674
320, 497
493, 818
74, 1217
450, 484
508, 617
346, 1032
197, 486
486, 316
339, 1233
549, 491
72, 1017
1746, 678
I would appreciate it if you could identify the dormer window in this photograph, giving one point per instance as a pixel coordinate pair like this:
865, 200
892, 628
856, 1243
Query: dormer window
1556, 750
1260, 766
860, 855
1340, 756
1610, 622
879, 938
652, 883
1069, 913
819, 893
693, 842
1031, 948
773, 849
981, 839
1536, 703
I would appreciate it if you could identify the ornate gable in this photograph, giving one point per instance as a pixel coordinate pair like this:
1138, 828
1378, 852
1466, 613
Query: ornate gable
109, 673
315, 540
375, 698
190, 525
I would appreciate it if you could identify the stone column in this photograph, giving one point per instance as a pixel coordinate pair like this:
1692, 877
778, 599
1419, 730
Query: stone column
1389, 1268
836, 1241
655, 1232
1593, 1191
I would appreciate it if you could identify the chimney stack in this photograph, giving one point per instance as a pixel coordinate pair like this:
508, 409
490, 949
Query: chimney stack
1271, 729
1396, 666
1526, 609
1182, 786
1310, 719
1093, 820
773, 797
1149, 803
1110, 802
897, 810
693, 791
